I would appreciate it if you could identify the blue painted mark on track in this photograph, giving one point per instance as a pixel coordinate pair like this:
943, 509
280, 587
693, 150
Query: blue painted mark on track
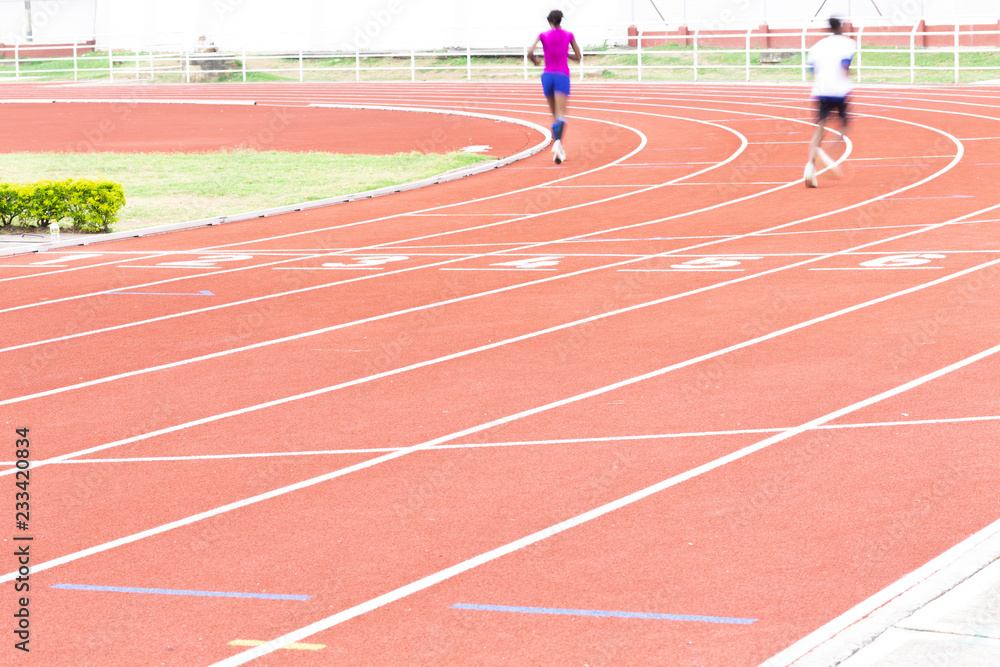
169, 591
204, 292
617, 614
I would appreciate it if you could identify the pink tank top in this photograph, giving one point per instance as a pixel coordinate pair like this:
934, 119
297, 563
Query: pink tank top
555, 45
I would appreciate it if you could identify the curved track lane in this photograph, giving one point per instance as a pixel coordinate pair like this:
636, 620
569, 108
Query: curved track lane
662, 380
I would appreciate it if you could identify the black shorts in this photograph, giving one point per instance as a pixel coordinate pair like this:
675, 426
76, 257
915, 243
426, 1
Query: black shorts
829, 104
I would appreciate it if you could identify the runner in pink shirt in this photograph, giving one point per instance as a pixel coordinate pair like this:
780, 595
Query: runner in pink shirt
555, 77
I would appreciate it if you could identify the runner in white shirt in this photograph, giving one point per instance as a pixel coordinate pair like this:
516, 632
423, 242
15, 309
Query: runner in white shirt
829, 60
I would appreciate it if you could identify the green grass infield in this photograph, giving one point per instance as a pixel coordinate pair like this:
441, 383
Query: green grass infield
162, 188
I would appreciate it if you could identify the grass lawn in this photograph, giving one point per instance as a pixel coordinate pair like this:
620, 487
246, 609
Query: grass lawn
162, 188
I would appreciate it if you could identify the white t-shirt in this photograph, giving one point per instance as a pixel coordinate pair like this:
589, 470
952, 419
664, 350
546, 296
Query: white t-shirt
826, 58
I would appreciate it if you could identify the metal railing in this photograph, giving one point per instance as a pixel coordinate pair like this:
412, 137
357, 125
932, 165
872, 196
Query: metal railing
897, 57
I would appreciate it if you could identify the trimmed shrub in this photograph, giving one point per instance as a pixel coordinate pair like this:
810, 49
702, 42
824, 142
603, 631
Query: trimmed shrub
46, 202
90, 205
12, 203
93, 205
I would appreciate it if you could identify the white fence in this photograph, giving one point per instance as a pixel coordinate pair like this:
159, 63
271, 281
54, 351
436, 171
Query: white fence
959, 55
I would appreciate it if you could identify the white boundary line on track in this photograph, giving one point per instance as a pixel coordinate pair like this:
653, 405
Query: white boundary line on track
452, 175
527, 443
156, 100
448, 573
506, 420
126, 263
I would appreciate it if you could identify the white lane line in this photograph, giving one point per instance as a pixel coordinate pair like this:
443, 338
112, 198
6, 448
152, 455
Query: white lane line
558, 187
123, 263
328, 268
513, 268
515, 417
661, 164
463, 215
796, 181
67, 257
117, 262
555, 529
526, 443
499, 343
907, 157
245, 455
856, 230
583, 236
874, 268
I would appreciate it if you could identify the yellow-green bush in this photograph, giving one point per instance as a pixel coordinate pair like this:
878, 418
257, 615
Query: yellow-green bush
90, 205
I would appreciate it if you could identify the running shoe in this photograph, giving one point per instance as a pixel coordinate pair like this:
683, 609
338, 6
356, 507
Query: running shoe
810, 175
558, 154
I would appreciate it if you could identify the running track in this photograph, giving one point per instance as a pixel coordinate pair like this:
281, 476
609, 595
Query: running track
663, 379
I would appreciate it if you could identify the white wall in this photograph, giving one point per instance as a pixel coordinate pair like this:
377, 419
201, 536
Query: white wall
52, 20
401, 24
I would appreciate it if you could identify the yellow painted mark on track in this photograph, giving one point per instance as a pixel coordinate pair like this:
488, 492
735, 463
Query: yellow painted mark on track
294, 647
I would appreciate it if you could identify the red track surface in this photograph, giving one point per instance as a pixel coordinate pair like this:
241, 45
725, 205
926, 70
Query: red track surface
133, 126
434, 402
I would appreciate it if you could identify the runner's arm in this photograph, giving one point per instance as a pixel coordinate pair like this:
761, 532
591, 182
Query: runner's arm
531, 52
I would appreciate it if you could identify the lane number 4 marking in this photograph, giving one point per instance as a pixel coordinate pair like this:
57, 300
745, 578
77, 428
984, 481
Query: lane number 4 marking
712, 263
533, 262
366, 261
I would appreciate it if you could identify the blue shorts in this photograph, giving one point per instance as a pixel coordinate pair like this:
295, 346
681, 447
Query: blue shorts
827, 105
553, 82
